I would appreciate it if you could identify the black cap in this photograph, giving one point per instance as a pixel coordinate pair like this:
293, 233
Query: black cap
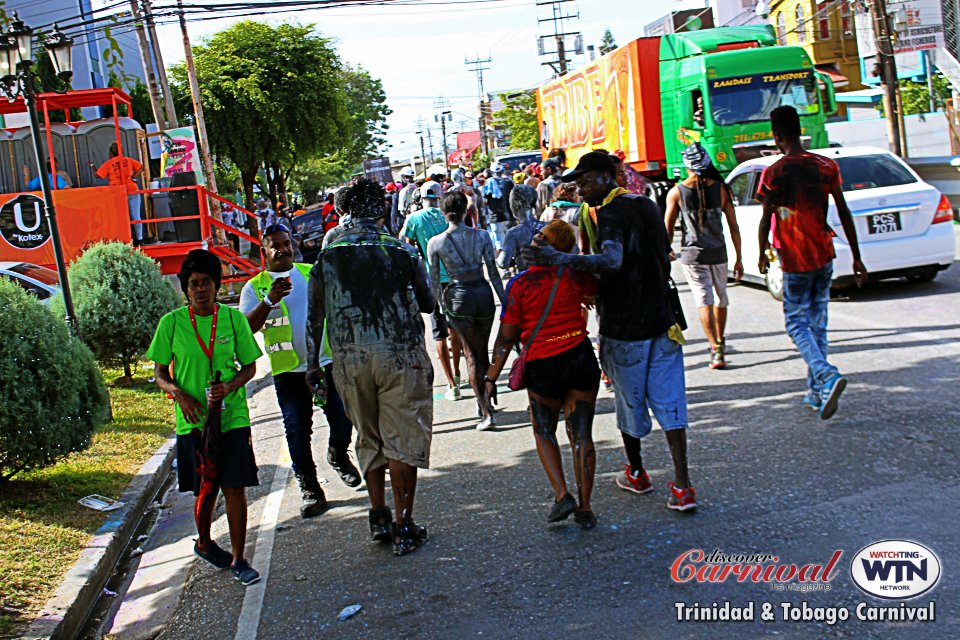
593, 161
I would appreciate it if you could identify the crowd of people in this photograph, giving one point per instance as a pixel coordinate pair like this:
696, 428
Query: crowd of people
346, 333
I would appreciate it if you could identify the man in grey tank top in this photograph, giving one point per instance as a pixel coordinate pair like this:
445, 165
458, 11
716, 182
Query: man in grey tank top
701, 201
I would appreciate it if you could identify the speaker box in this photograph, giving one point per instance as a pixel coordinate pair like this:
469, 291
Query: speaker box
185, 203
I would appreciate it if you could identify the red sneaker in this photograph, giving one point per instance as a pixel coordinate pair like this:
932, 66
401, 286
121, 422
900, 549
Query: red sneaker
681, 499
637, 484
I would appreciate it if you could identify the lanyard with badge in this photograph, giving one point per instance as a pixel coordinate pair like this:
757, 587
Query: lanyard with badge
207, 348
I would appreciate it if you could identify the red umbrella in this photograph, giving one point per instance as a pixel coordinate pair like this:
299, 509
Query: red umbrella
208, 462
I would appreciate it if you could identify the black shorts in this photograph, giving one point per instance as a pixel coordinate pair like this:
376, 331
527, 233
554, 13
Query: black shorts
238, 467
575, 369
469, 301
439, 325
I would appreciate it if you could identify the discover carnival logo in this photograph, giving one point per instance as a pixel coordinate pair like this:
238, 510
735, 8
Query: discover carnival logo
895, 569
717, 566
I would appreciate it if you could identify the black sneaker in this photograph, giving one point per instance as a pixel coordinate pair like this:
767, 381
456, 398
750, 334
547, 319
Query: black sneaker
586, 519
381, 522
562, 509
339, 459
407, 537
313, 501
215, 555
243, 572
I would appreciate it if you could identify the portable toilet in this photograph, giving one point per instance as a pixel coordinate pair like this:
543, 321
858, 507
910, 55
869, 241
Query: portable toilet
64, 150
8, 165
94, 138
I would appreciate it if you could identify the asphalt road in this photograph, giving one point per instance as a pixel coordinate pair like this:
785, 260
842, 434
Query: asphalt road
772, 478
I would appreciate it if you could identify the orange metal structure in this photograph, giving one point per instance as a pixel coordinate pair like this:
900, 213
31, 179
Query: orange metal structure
91, 214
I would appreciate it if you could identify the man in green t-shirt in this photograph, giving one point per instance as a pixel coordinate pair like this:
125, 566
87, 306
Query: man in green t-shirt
201, 340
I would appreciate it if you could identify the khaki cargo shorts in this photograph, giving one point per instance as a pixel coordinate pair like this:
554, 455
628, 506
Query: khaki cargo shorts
704, 279
388, 395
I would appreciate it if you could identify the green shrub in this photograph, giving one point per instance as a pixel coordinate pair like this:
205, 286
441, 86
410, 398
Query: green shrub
52, 395
119, 296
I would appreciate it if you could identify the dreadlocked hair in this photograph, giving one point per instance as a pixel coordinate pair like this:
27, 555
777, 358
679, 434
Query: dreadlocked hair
710, 173
365, 200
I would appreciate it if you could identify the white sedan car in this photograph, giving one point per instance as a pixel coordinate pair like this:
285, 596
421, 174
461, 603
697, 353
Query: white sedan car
904, 225
39, 281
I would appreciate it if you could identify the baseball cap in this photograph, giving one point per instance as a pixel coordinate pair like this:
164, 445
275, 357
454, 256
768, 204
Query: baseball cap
593, 161
430, 191
553, 163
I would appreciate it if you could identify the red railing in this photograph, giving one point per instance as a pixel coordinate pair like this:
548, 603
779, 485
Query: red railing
170, 254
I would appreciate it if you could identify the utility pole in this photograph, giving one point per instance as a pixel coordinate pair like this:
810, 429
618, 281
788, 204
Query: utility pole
161, 69
147, 61
423, 150
888, 76
202, 139
445, 113
559, 36
478, 69
429, 144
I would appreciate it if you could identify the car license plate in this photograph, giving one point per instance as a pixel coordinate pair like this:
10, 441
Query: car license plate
884, 223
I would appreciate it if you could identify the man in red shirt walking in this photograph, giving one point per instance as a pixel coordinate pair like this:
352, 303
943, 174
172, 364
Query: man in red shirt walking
796, 190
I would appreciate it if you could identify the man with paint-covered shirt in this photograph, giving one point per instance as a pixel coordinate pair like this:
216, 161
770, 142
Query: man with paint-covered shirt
367, 291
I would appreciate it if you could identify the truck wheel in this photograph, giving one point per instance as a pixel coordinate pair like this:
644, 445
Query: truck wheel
774, 281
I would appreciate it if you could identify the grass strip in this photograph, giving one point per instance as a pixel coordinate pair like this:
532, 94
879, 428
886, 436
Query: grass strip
43, 529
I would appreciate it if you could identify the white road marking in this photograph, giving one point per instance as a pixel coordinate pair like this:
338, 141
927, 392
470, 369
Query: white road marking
249, 620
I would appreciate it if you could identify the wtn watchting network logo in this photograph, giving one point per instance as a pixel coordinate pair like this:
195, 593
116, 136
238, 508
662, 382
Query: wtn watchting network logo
895, 569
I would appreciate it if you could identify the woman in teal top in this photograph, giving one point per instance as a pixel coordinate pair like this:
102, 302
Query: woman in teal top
201, 340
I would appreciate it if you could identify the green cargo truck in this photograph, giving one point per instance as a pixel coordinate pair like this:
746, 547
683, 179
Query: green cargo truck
654, 96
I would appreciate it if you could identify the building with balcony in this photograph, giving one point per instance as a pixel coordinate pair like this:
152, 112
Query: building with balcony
827, 31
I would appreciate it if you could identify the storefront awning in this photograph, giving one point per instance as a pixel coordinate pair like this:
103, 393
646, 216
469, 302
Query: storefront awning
838, 79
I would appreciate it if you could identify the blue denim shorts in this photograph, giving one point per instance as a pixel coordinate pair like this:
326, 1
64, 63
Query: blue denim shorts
646, 374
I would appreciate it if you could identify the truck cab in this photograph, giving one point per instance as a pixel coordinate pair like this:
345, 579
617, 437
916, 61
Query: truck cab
718, 87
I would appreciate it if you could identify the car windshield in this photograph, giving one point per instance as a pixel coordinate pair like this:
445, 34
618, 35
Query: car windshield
751, 98
40, 274
872, 172
512, 163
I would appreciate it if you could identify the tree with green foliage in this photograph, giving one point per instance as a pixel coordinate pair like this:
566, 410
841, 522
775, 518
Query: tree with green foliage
270, 94
519, 118
366, 103
607, 43
52, 395
119, 295
916, 95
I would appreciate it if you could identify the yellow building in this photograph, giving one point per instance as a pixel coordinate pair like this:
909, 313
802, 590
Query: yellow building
828, 33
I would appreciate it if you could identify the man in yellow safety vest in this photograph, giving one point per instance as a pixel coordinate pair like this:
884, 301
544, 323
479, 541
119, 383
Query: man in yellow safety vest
275, 302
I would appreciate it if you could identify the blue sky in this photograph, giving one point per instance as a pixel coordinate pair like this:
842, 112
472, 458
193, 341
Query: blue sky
419, 52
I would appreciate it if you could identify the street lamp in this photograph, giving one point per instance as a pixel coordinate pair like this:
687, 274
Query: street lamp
17, 78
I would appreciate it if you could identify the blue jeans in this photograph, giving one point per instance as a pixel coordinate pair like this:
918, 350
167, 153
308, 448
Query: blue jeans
296, 405
805, 298
647, 374
133, 204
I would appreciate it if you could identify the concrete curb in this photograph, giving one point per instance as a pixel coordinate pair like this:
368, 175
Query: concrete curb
64, 614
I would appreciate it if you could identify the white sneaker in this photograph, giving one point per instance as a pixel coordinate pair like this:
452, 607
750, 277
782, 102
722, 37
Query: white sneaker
452, 394
486, 424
